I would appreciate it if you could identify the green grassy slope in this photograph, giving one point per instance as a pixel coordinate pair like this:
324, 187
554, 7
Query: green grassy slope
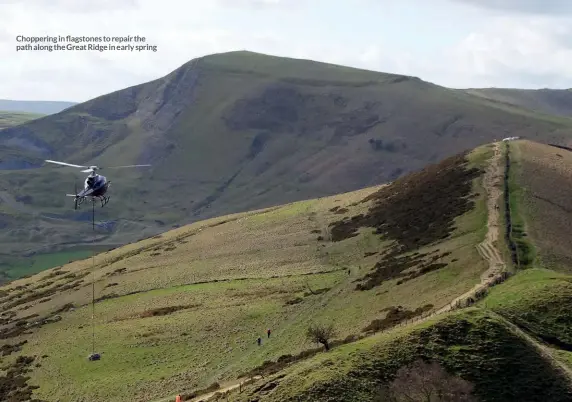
515, 345
540, 301
473, 344
183, 309
9, 118
239, 131
543, 173
549, 101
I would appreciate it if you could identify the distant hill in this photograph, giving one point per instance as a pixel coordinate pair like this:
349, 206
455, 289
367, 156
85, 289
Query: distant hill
36, 107
9, 119
419, 268
234, 132
551, 101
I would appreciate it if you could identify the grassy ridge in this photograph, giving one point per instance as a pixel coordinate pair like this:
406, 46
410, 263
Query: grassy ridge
549, 101
536, 300
541, 191
472, 344
525, 251
539, 301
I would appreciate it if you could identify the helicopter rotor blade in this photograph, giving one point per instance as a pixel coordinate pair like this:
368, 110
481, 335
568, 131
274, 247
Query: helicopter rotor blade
126, 166
65, 164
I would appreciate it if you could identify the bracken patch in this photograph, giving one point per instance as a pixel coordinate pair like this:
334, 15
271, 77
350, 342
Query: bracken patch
14, 384
166, 310
414, 211
395, 316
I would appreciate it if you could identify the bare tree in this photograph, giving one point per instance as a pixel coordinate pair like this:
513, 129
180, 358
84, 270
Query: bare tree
321, 334
427, 382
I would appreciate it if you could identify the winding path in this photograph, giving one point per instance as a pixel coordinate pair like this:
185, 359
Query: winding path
493, 182
230, 387
543, 350
488, 248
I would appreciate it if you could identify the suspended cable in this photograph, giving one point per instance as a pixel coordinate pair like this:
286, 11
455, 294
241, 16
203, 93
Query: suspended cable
93, 356
93, 277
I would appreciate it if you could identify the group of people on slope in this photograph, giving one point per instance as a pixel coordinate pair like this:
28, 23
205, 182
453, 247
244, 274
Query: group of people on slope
259, 340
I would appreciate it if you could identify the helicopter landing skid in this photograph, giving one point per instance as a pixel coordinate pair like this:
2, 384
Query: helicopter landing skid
104, 200
79, 201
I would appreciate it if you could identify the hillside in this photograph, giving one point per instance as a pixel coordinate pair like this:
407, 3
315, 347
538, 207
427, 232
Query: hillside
34, 107
513, 344
179, 311
9, 119
228, 133
550, 101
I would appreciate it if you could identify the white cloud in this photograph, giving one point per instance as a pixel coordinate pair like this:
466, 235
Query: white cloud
536, 7
516, 51
502, 48
75, 6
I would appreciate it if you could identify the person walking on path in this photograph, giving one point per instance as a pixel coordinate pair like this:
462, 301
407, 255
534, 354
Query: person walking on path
259, 340
268, 332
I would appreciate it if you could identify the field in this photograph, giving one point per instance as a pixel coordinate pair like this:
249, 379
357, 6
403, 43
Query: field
38, 263
543, 173
9, 119
182, 310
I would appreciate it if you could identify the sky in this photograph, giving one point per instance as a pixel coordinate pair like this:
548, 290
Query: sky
454, 43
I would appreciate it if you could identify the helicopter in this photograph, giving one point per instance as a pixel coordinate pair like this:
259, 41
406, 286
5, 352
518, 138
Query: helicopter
95, 185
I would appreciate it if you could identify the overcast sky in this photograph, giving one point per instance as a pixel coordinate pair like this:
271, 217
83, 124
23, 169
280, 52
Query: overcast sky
455, 43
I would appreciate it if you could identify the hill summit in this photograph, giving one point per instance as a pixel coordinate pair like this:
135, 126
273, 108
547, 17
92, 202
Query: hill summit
233, 132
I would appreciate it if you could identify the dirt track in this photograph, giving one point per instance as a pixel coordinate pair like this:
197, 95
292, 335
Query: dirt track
230, 387
544, 351
492, 183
